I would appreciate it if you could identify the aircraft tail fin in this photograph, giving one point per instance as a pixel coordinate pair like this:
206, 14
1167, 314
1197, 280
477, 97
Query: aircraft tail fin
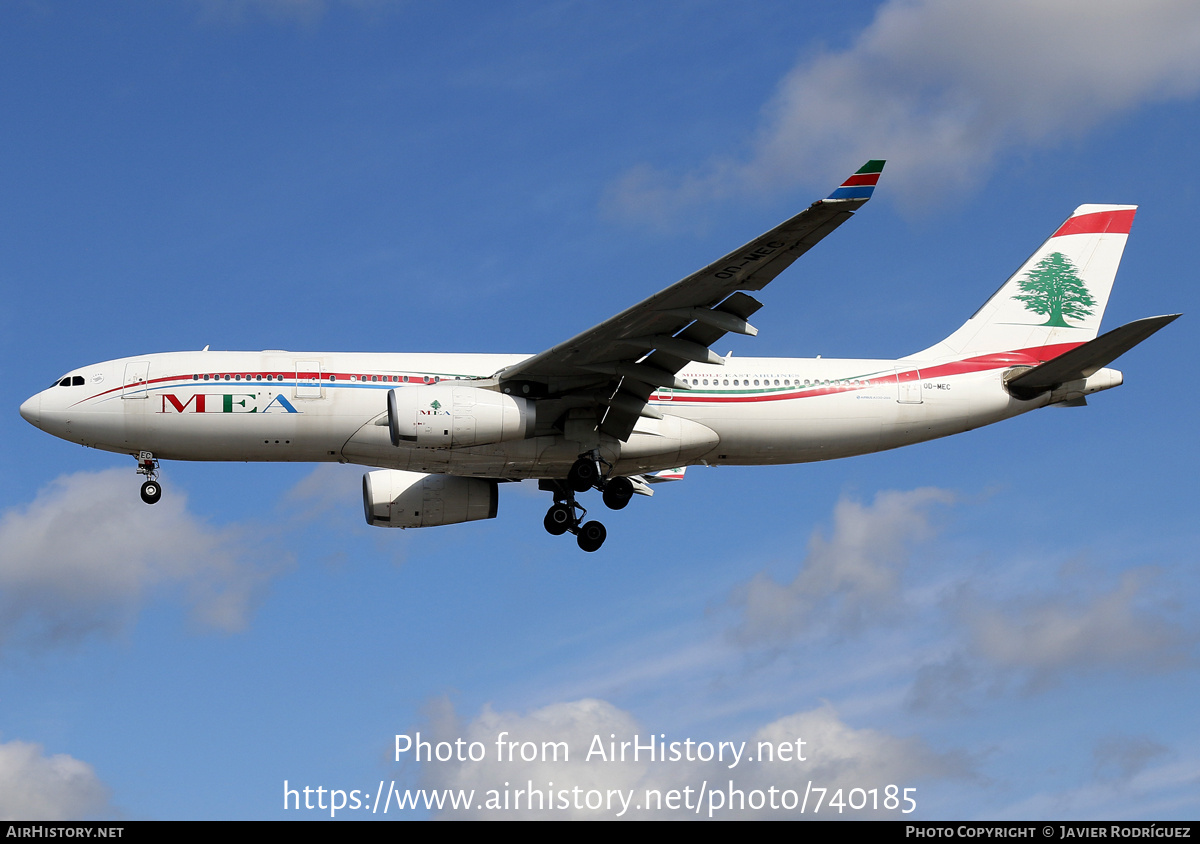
1058, 295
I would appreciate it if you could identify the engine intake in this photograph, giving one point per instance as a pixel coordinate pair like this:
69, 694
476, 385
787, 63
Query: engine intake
448, 416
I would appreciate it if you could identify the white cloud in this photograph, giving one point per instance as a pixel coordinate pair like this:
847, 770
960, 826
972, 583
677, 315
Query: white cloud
34, 786
329, 491
574, 723
1036, 640
1122, 757
1153, 793
941, 88
1126, 628
850, 577
836, 756
87, 552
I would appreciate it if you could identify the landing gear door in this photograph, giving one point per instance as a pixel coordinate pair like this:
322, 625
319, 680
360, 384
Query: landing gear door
308, 379
136, 376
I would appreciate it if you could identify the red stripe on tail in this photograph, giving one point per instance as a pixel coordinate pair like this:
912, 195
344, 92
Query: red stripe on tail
1102, 222
862, 179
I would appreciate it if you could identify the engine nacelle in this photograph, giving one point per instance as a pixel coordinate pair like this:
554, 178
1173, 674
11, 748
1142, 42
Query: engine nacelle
393, 498
448, 416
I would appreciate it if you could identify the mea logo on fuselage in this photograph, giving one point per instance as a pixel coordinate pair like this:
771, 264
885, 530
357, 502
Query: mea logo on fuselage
229, 403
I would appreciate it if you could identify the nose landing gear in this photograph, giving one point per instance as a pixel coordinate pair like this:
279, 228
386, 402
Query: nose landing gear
148, 466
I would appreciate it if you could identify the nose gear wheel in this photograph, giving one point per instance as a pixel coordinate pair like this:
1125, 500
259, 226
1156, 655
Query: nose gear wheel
148, 466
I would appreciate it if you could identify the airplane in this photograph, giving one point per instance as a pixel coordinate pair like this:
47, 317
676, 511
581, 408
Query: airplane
626, 404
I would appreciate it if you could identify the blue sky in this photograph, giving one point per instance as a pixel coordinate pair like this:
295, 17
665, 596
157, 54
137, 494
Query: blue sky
1002, 620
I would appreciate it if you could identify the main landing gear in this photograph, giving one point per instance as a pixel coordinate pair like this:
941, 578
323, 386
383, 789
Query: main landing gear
148, 466
567, 514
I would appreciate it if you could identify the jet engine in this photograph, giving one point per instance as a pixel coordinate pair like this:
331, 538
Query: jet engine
393, 498
448, 416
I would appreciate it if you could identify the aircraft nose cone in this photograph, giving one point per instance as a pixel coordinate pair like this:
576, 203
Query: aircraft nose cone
31, 410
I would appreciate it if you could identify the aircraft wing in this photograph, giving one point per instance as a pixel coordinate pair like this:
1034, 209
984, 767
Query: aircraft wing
614, 367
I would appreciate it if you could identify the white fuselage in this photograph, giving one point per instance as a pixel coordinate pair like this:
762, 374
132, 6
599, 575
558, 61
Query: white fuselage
284, 406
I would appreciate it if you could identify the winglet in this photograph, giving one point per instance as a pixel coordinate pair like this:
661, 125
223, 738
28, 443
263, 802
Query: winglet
862, 184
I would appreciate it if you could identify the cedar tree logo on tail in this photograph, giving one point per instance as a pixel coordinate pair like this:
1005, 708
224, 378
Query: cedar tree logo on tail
1053, 288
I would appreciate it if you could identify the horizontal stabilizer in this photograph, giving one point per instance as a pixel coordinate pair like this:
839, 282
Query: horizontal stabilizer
665, 475
1084, 361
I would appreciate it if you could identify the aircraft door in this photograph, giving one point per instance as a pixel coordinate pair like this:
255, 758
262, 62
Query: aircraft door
308, 379
908, 386
137, 374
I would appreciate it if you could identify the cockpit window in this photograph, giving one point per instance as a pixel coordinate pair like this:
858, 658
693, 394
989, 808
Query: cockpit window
69, 381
